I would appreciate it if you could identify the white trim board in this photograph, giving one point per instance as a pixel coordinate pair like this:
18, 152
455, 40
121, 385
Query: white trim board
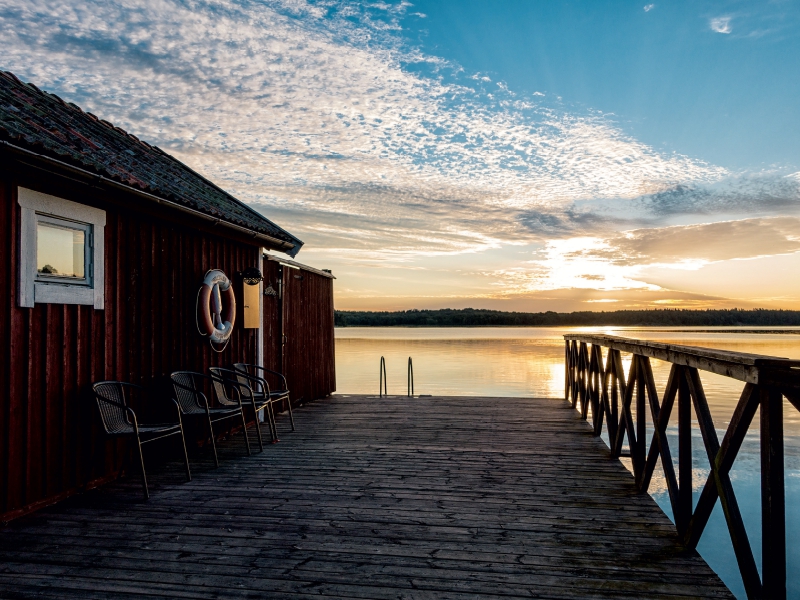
32, 291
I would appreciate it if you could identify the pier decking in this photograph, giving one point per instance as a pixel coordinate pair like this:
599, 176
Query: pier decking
372, 498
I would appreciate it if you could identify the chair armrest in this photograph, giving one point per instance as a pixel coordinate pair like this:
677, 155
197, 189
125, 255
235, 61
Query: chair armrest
193, 391
260, 381
178, 409
238, 394
285, 385
228, 378
238, 385
108, 401
101, 399
127, 409
134, 422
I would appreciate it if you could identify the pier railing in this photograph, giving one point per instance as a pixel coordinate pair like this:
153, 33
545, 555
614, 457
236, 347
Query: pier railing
625, 402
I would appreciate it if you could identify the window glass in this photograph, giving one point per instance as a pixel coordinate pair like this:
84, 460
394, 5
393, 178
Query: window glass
60, 250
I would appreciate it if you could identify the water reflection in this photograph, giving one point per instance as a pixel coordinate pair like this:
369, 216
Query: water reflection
465, 367
529, 362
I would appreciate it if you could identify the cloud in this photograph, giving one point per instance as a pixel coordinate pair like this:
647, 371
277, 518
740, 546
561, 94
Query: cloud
778, 20
720, 24
760, 193
707, 242
623, 261
649, 7
322, 116
314, 110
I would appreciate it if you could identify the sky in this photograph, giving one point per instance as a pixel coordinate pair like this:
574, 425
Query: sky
518, 155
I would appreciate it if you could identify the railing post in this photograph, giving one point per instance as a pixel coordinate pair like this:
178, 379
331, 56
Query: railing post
585, 379
578, 374
612, 354
567, 367
609, 400
773, 509
597, 413
641, 422
573, 372
684, 512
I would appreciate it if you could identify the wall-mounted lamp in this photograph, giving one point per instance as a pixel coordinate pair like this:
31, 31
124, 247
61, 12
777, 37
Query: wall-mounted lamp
252, 276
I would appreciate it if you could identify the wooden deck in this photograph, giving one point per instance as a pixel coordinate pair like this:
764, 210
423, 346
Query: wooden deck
372, 498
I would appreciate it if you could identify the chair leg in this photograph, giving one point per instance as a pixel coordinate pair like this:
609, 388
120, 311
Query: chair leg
244, 432
185, 455
141, 464
258, 427
291, 416
273, 429
213, 441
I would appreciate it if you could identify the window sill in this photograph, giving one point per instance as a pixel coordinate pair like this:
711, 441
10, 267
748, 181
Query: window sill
54, 293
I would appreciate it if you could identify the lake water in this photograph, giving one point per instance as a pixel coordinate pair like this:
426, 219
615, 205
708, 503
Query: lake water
529, 361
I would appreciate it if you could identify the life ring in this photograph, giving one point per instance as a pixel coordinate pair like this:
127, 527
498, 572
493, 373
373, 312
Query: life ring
212, 319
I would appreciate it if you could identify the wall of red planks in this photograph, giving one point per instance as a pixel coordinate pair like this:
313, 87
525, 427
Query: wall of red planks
308, 353
50, 440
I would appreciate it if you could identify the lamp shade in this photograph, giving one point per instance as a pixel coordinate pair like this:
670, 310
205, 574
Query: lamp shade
252, 276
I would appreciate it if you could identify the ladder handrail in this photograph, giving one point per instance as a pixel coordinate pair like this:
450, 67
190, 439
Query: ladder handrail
410, 377
382, 379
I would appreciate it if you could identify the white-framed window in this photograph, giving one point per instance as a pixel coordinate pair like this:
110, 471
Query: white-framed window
61, 251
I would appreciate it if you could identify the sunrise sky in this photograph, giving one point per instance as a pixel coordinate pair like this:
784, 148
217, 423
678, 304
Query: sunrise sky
519, 155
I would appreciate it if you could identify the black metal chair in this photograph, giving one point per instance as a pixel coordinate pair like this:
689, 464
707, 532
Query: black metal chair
119, 420
192, 400
263, 389
227, 379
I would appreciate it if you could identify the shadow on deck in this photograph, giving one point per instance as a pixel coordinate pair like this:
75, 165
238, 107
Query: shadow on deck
390, 498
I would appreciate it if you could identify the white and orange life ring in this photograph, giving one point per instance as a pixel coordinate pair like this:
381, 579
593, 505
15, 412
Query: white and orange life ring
213, 319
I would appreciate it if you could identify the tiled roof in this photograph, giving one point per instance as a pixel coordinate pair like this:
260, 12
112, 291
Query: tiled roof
43, 123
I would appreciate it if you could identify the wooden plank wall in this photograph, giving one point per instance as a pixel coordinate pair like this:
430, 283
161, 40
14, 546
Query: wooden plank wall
50, 442
309, 361
272, 317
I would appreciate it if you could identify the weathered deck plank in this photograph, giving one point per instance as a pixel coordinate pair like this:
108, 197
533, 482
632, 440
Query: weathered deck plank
372, 498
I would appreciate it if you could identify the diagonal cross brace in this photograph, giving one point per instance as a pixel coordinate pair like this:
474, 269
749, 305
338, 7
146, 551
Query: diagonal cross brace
626, 424
659, 445
718, 485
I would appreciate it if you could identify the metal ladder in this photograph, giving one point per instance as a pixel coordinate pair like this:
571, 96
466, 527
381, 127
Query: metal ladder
382, 391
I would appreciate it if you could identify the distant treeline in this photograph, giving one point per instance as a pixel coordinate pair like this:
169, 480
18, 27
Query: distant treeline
470, 317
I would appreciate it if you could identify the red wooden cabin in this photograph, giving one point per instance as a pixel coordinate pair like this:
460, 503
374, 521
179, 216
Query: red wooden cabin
105, 242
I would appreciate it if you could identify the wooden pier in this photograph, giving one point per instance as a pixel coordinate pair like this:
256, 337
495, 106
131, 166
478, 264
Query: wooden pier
372, 498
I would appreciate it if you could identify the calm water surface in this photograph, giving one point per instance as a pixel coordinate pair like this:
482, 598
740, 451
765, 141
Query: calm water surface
529, 361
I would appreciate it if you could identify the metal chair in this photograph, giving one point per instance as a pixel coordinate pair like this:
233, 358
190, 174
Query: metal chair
226, 379
259, 373
119, 420
192, 400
